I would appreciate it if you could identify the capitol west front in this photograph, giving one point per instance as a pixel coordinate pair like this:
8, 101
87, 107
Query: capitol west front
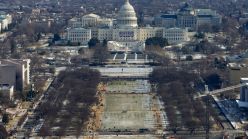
123, 33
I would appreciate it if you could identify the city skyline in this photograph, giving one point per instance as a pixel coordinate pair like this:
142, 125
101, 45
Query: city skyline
150, 69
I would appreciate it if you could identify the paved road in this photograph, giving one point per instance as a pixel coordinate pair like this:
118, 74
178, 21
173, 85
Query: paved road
33, 121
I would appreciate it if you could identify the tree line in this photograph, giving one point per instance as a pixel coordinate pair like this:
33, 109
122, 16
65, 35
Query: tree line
69, 103
176, 88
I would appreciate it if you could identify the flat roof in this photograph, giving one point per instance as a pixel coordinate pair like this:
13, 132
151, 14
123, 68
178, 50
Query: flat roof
242, 104
244, 79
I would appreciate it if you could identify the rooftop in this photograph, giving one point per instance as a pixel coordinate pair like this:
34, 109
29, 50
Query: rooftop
91, 16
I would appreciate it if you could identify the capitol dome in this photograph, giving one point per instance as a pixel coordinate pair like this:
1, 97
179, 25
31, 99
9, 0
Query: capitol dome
127, 16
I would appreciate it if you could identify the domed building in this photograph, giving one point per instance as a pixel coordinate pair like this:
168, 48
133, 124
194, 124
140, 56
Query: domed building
127, 16
122, 34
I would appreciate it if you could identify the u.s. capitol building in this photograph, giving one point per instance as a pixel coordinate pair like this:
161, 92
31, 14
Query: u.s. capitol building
122, 33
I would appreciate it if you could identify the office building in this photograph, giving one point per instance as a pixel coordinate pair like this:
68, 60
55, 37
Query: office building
188, 17
15, 72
